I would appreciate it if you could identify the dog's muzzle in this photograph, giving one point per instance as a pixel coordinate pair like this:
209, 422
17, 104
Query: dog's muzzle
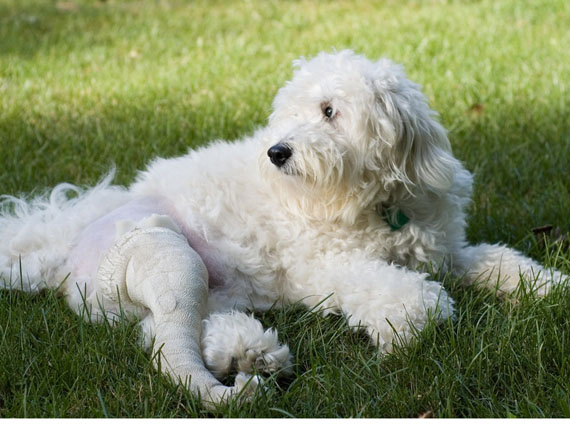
279, 154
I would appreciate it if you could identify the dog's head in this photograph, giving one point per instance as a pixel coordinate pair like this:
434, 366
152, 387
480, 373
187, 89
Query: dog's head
347, 133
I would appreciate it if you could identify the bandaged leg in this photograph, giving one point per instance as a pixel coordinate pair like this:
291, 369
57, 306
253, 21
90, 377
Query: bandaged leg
151, 266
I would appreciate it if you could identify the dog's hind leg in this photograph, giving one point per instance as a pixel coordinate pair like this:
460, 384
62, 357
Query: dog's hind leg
502, 268
152, 268
235, 341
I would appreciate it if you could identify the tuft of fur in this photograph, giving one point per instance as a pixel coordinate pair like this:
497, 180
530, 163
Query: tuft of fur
37, 235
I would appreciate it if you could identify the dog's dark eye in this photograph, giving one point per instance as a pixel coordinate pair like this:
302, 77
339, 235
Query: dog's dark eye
328, 111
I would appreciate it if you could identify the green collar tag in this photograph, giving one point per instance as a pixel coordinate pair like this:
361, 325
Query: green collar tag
394, 221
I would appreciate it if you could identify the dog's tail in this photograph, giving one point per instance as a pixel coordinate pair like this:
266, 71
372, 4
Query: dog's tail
36, 234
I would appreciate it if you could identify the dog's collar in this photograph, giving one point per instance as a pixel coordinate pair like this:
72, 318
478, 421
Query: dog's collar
396, 220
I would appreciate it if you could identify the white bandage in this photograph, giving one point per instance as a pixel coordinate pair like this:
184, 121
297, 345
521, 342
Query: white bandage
153, 267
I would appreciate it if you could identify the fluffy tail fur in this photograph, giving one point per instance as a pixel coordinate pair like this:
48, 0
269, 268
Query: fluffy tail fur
36, 235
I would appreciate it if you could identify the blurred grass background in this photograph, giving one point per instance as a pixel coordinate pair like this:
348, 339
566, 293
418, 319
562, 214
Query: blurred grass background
88, 84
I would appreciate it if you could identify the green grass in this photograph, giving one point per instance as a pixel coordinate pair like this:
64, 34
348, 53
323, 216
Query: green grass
85, 85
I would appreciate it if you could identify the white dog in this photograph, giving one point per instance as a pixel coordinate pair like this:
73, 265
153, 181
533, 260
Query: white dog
348, 192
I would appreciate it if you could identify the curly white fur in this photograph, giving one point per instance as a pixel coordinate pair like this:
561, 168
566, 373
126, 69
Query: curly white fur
348, 139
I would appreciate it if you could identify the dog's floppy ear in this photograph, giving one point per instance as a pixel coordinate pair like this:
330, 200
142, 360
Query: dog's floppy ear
419, 153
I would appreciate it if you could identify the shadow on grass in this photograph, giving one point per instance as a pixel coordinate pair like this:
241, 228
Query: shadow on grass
456, 369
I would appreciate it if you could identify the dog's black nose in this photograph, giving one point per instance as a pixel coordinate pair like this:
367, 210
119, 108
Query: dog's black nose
279, 154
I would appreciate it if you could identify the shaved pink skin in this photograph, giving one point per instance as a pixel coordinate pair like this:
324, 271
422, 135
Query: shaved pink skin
98, 237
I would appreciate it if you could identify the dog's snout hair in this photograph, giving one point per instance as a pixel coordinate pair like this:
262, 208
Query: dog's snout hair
279, 154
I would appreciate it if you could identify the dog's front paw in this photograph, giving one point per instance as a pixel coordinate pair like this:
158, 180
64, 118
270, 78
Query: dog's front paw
270, 359
542, 282
399, 324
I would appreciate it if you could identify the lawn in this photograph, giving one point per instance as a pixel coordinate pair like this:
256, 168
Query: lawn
86, 84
